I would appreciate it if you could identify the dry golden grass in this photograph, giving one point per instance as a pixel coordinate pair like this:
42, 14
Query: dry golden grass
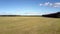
29, 25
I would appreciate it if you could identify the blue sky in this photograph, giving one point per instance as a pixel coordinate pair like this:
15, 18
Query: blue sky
28, 7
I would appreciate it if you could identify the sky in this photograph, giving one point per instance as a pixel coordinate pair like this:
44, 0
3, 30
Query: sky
29, 7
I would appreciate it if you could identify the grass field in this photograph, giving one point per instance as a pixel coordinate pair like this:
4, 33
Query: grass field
29, 25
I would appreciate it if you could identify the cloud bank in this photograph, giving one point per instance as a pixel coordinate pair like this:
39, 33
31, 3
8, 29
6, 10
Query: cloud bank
57, 4
31, 13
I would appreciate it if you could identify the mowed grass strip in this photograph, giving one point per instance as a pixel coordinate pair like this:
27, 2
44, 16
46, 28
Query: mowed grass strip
29, 25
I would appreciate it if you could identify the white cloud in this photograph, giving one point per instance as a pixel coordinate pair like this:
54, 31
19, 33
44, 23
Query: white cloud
50, 4
32, 13
41, 4
46, 4
57, 4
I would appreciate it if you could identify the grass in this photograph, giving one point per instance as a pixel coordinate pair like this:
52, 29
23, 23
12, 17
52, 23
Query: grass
29, 25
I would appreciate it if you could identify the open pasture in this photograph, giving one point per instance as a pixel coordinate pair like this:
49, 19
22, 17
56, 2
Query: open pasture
29, 25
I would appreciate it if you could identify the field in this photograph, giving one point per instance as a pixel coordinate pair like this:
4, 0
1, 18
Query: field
29, 25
